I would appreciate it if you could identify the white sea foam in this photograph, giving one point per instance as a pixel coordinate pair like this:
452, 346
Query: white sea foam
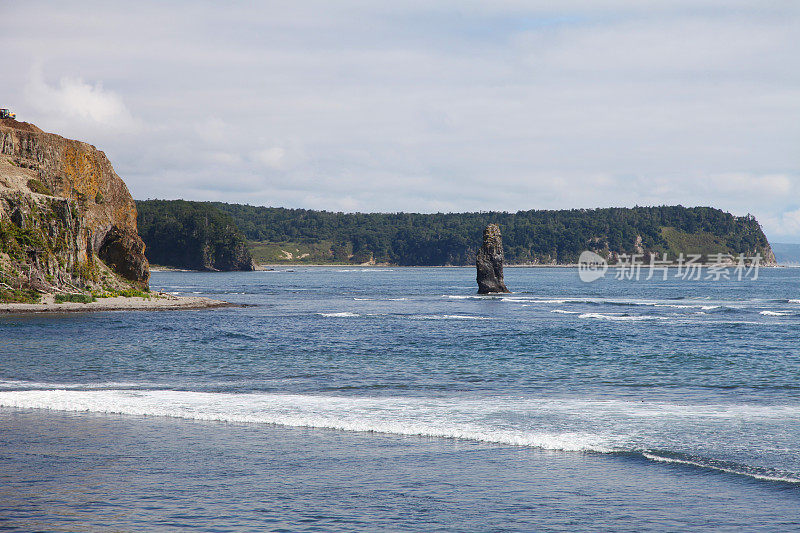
343, 314
773, 313
668, 305
794, 301
622, 318
563, 312
473, 297
37, 385
537, 300
364, 270
602, 301
711, 466
567, 424
681, 306
448, 317
402, 416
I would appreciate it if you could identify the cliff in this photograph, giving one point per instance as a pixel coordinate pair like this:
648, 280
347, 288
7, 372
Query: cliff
67, 221
529, 237
192, 235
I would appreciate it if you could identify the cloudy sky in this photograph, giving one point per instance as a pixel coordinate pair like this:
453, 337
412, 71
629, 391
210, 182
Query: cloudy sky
425, 106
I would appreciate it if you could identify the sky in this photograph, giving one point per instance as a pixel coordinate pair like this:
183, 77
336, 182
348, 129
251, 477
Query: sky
425, 106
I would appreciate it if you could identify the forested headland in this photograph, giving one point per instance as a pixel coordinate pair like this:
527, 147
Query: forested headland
278, 235
191, 235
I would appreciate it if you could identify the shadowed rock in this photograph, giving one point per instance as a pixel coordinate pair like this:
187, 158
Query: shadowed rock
124, 253
490, 262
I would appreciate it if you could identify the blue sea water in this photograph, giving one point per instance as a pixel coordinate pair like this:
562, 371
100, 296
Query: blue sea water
342, 399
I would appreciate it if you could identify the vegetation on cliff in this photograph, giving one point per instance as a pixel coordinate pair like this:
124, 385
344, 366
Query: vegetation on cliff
529, 237
191, 235
67, 221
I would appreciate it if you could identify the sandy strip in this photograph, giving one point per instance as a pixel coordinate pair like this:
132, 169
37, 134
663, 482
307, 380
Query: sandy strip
158, 302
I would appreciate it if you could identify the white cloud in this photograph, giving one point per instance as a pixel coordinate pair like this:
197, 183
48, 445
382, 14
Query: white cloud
416, 105
785, 226
791, 222
272, 157
74, 99
224, 158
213, 130
752, 187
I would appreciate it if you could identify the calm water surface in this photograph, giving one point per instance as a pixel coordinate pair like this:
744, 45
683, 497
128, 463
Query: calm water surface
345, 399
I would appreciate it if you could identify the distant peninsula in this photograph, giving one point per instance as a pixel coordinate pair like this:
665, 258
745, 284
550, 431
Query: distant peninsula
275, 235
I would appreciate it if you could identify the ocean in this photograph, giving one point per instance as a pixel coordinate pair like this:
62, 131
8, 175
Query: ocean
397, 399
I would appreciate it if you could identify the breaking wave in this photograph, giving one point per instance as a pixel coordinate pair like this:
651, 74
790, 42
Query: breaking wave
448, 317
599, 426
622, 318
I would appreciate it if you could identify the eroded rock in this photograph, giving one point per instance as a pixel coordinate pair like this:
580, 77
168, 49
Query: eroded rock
63, 209
124, 254
490, 262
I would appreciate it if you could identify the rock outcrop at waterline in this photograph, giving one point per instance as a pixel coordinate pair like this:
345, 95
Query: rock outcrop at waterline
490, 262
192, 235
67, 221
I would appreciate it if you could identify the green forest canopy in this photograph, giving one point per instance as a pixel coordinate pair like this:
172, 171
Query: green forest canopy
192, 235
535, 236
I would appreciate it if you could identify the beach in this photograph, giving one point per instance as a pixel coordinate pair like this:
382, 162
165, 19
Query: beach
158, 301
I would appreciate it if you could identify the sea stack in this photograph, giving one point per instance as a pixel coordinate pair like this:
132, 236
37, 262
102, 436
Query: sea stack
490, 262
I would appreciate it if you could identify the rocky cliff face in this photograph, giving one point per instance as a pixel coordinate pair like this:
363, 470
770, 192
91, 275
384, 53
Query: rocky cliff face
192, 235
66, 219
490, 262
235, 257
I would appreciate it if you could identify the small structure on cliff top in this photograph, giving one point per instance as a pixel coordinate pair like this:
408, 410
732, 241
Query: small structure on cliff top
490, 262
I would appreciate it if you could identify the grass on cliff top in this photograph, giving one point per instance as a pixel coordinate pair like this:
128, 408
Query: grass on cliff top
312, 253
291, 252
701, 242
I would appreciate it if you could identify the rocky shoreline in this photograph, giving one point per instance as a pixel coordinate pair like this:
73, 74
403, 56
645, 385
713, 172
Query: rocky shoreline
156, 302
